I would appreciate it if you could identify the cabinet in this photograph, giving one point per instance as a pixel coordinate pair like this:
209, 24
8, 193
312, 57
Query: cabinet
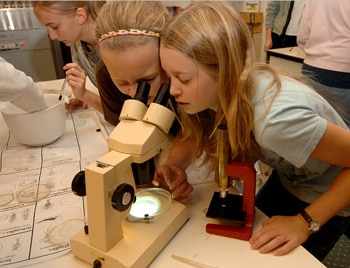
255, 21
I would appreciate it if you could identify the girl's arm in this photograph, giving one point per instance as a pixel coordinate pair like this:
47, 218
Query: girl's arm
76, 78
333, 148
281, 234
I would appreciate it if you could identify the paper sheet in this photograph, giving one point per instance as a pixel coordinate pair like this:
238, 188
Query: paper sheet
31, 231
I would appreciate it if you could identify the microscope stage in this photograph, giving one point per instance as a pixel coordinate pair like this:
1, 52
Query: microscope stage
227, 211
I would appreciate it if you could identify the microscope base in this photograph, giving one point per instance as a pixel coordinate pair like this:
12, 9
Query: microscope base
141, 242
228, 218
242, 233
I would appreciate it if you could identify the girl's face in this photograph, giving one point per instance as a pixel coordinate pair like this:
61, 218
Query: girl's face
65, 28
130, 67
193, 88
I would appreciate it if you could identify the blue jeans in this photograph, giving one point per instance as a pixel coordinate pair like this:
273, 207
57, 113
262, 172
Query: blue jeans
339, 98
274, 199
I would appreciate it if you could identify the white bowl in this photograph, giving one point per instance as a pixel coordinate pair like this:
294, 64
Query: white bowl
37, 128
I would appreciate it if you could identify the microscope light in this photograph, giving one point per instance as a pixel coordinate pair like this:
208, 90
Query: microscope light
145, 205
150, 202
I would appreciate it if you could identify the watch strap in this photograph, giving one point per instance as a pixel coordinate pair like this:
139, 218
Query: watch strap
306, 216
314, 226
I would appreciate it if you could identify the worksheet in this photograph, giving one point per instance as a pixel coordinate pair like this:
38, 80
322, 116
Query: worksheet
38, 210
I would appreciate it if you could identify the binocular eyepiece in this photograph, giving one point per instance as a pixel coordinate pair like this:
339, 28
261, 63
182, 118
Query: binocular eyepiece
161, 98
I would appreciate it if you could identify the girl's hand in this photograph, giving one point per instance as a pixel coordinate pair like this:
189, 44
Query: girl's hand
175, 179
280, 234
75, 104
76, 78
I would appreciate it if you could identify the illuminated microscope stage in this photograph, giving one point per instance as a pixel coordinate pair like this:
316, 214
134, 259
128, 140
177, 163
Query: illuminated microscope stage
141, 242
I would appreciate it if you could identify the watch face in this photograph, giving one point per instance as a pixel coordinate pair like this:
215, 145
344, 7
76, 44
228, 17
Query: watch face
314, 226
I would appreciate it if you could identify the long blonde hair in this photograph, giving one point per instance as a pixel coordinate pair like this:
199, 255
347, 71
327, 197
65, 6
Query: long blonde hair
214, 35
67, 7
126, 15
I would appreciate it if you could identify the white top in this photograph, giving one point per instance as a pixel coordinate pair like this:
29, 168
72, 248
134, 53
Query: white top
324, 35
289, 133
294, 22
20, 89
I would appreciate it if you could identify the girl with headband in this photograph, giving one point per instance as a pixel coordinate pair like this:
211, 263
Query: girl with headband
129, 36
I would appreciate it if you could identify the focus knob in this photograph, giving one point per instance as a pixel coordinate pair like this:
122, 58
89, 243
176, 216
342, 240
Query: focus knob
78, 184
123, 197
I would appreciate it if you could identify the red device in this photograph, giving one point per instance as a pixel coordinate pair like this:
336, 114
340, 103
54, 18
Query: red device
235, 210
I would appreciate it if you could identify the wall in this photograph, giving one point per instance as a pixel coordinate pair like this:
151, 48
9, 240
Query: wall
258, 39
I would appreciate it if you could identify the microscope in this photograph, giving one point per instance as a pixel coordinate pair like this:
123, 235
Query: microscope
232, 214
109, 239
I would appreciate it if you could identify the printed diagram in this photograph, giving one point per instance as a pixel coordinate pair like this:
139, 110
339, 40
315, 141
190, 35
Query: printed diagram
38, 211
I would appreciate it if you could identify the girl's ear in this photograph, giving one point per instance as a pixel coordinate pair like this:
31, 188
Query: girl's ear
81, 15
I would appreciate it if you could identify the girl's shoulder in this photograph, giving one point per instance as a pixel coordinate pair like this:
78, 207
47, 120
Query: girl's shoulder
294, 101
267, 86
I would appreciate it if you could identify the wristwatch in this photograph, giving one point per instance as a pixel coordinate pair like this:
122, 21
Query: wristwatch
314, 226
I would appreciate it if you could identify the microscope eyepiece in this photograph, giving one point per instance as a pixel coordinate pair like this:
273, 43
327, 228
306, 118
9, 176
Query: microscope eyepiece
142, 92
163, 95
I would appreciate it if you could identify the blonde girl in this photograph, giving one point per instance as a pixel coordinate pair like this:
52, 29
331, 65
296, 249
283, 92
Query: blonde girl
207, 53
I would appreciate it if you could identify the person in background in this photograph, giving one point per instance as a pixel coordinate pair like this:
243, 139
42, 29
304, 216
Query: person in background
282, 22
19, 89
208, 55
73, 23
327, 46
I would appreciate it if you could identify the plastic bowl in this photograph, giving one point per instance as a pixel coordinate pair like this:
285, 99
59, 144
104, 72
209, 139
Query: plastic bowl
37, 128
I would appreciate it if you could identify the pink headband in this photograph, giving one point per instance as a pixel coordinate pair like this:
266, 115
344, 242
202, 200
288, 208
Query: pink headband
128, 32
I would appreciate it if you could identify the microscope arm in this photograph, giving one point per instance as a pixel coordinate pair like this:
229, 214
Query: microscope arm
104, 222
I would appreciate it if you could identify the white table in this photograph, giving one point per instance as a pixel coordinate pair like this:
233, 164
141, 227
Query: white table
288, 60
194, 243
